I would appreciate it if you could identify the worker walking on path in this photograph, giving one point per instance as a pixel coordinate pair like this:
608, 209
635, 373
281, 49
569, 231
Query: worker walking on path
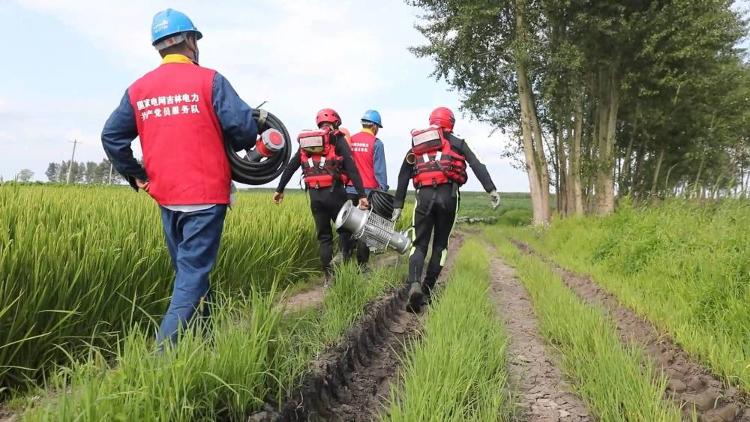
369, 155
182, 113
327, 166
436, 163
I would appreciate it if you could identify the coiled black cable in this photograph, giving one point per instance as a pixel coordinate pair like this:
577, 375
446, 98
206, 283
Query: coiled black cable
381, 203
267, 169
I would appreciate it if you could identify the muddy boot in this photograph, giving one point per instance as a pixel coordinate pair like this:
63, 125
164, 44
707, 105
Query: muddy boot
328, 277
364, 269
416, 297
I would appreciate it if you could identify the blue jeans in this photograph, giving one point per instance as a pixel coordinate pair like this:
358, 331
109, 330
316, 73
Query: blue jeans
193, 242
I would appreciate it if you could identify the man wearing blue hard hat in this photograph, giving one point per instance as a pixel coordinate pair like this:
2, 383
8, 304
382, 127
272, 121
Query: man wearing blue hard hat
369, 155
183, 114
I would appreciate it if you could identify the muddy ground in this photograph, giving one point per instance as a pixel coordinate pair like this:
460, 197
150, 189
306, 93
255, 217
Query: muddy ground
352, 381
543, 394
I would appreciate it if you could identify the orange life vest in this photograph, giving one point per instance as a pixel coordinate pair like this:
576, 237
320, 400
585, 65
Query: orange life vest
435, 162
321, 167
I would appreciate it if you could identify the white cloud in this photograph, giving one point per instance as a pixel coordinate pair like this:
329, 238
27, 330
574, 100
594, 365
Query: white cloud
301, 55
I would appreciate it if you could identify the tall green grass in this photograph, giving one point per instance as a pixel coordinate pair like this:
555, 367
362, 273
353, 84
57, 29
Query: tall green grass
197, 380
255, 353
684, 266
515, 207
614, 379
458, 371
78, 265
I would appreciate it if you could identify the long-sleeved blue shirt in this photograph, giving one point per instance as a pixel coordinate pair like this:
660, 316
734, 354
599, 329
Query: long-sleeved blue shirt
234, 115
378, 162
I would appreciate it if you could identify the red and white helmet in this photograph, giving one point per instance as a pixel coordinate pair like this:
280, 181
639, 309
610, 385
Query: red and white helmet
443, 117
328, 115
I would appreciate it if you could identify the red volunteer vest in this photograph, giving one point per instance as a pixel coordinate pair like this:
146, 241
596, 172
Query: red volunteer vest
363, 150
181, 138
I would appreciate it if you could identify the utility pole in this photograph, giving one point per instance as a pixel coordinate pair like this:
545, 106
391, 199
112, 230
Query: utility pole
110, 172
72, 159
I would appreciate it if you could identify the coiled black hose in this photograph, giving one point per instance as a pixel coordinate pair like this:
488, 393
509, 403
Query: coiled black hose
381, 203
265, 170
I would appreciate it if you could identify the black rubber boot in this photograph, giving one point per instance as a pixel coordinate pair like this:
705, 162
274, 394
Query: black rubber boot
416, 297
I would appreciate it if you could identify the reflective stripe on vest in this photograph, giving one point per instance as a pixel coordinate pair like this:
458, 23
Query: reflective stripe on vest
319, 170
439, 167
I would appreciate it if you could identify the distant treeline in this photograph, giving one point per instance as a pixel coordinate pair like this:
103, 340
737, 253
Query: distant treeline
603, 99
83, 172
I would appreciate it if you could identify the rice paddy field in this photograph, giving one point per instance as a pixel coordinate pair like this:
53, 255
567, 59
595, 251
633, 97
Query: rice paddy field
639, 316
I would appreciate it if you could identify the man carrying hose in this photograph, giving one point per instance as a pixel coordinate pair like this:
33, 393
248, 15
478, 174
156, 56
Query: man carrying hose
369, 156
327, 165
183, 114
436, 163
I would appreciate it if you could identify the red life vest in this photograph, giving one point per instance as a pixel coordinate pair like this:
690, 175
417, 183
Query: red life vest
321, 167
363, 151
435, 162
181, 138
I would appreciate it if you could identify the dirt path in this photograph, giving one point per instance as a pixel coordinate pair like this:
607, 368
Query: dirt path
313, 296
544, 395
691, 385
351, 382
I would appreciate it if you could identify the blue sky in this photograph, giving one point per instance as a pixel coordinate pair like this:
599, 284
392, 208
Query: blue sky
68, 63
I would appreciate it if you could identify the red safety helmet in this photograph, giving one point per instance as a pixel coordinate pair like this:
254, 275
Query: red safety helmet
328, 115
443, 117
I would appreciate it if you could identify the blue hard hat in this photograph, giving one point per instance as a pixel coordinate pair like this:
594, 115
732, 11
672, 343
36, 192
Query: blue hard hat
372, 116
171, 22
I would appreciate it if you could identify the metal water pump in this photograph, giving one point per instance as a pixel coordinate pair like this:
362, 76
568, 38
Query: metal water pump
378, 232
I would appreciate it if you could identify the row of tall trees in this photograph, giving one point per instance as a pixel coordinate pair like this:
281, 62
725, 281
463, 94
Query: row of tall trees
83, 172
603, 98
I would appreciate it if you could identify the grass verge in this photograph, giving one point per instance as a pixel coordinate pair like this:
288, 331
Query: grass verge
683, 266
255, 353
615, 380
457, 372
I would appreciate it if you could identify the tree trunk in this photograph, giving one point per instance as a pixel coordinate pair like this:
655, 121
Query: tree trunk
607, 120
696, 185
654, 186
562, 166
575, 158
625, 176
554, 151
536, 164
540, 156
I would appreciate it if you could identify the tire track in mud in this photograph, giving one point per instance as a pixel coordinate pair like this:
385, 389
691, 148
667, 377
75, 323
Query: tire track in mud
697, 391
544, 394
351, 381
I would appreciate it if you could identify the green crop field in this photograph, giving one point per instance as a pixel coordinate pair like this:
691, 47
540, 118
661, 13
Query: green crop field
85, 277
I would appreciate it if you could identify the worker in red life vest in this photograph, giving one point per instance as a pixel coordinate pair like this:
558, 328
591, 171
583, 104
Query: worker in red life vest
436, 164
369, 154
327, 165
182, 113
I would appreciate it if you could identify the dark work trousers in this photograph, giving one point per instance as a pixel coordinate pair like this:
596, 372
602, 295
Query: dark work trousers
325, 205
434, 216
363, 252
193, 242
